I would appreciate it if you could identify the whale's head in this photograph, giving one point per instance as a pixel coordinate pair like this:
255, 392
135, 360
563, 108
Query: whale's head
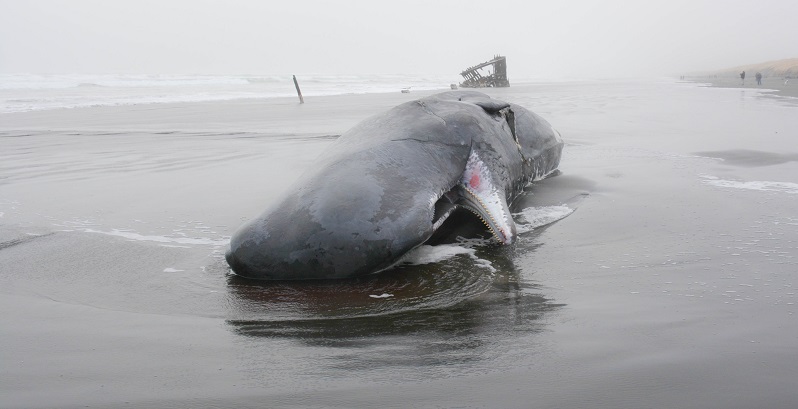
355, 214
327, 233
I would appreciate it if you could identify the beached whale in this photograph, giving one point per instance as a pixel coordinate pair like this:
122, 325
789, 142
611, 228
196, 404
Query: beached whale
386, 185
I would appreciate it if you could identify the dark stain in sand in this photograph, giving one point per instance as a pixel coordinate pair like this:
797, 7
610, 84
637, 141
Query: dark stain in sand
750, 158
12, 135
21, 240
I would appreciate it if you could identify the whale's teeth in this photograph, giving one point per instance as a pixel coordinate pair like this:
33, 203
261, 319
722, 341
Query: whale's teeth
482, 219
480, 216
481, 203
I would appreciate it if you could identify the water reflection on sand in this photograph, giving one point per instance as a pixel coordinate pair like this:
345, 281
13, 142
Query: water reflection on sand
418, 315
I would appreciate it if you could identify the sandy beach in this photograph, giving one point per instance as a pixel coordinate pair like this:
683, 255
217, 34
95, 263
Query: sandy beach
658, 269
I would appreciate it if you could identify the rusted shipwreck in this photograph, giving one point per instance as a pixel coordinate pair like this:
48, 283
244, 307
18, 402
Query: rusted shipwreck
491, 73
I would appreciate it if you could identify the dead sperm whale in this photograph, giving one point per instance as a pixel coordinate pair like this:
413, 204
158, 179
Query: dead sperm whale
386, 185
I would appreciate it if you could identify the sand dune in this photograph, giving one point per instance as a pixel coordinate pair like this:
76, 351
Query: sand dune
779, 68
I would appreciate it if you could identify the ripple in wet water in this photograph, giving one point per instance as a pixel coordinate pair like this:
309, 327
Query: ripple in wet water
438, 314
464, 302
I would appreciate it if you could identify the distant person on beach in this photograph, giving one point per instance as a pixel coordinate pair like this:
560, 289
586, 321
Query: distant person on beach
759, 78
742, 77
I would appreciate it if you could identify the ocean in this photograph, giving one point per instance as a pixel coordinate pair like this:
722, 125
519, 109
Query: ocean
658, 268
30, 92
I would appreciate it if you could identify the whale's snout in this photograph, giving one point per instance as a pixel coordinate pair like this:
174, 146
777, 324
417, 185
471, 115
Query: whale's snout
240, 261
253, 253
293, 248
233, 262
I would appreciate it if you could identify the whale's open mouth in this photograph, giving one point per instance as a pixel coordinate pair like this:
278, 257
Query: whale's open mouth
478, 193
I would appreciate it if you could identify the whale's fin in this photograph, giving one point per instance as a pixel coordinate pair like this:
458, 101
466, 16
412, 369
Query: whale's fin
481, 195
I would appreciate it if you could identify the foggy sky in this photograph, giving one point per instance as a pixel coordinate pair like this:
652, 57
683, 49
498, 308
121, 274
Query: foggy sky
540, 38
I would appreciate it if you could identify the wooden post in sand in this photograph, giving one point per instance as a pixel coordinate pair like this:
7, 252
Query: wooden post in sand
298, 92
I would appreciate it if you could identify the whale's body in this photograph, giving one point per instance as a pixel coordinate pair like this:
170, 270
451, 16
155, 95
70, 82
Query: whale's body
386, 185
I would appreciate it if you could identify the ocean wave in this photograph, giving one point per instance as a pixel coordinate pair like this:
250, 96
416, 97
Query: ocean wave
268, 80
69, 102
89, 84
61, 81
29, 92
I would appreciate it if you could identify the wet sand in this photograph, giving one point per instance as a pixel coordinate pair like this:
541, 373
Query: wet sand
670, 283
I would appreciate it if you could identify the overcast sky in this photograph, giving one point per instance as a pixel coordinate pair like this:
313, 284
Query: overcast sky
541, 39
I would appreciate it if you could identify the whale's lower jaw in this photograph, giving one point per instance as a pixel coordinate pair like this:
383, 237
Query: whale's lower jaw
482, 195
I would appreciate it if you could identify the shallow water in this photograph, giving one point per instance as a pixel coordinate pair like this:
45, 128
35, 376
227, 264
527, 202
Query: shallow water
656, 270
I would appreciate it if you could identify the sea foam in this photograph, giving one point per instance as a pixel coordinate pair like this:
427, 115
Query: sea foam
162, 239
426, 254
783, 187
534, 217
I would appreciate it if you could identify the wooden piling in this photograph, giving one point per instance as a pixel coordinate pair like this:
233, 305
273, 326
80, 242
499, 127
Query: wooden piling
298, 92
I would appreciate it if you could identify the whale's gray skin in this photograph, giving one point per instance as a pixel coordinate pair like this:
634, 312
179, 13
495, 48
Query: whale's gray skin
386, 185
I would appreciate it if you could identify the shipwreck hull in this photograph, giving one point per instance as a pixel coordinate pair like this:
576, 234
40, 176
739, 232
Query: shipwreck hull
491, 73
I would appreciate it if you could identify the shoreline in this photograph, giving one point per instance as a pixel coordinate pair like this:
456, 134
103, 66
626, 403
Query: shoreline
260, 115
771, 86
285, 100
276, 98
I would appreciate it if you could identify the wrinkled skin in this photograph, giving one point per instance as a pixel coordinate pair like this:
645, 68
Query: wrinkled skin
387, 184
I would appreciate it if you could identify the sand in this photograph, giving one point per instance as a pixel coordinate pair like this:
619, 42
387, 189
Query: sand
670, 283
